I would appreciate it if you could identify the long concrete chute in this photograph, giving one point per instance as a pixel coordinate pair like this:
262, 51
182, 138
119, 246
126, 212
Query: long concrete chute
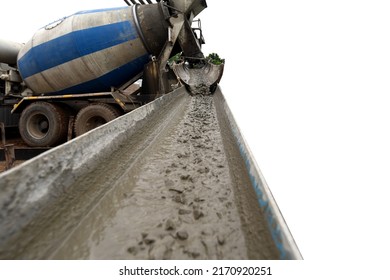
170, 180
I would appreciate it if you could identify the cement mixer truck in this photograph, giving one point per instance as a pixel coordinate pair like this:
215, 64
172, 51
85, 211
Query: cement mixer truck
84, 70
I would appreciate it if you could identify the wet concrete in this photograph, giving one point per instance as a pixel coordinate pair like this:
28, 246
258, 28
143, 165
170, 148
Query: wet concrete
198, 83
201, 78
177, 189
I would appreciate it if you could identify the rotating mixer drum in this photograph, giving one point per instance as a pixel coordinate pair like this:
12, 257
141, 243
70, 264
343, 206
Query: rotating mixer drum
92, 51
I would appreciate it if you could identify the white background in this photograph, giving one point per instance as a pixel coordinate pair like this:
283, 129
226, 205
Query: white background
308, 84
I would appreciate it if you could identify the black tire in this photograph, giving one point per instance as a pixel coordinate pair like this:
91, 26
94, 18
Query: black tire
43, 124
93, 116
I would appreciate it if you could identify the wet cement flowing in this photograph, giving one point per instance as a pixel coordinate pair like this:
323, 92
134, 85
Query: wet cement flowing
198, 83
179, 191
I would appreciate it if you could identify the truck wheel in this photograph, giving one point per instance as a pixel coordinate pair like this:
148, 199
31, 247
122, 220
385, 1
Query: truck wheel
43, 124
94, 115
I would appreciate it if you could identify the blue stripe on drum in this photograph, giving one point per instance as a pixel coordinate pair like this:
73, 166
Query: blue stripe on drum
114, 78
74, 45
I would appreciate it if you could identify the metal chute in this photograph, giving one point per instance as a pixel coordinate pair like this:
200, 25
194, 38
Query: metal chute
195, 72
201, 78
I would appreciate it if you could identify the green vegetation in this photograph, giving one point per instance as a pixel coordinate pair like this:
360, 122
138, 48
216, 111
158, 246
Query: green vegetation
212, 58
215, 59
176, 58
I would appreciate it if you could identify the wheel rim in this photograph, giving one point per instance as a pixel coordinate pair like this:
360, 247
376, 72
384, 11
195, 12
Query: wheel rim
38, 125
94, 122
